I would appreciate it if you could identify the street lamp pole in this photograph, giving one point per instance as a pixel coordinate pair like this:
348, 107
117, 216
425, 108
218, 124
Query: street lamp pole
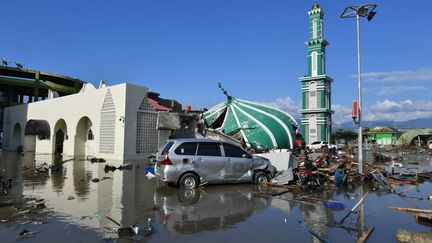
357, 11
360, 135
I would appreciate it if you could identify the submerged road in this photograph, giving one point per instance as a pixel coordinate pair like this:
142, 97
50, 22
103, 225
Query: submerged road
81, 197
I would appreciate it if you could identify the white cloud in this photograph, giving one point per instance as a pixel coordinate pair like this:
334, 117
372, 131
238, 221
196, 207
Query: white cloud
341, 113
287, 104
382, 110
390, 90
421, 74
398, 110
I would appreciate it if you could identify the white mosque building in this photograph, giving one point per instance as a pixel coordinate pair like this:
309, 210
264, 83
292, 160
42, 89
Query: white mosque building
117, 122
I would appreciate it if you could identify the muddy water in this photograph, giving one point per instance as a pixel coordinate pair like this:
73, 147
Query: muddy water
77, 207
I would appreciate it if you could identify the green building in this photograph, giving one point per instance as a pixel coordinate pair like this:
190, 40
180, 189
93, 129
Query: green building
381, 135
316, 121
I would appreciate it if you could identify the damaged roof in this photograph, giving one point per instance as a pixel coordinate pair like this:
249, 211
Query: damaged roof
259, 125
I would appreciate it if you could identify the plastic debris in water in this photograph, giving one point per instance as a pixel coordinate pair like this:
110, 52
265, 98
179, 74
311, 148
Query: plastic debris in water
334, 204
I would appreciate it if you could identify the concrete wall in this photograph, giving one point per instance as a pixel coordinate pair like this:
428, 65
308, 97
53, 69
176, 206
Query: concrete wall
134, 97
126, 99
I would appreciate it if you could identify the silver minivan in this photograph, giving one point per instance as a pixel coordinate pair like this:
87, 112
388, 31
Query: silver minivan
189, 162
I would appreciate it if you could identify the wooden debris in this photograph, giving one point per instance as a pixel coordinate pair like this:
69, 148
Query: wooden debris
285, 199
412, 210
363, 238
424, 219
354, 208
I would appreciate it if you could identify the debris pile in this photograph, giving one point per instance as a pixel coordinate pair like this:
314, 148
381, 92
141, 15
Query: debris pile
316, 170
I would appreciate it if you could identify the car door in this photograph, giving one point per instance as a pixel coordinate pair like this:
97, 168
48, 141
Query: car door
210, 161
237, 163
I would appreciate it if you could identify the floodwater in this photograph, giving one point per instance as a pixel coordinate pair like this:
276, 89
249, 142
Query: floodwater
77, 208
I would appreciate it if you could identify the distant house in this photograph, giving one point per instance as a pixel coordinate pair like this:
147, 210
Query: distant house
381, 135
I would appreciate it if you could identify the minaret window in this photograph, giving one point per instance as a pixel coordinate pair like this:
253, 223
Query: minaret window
314, 59
321, 28
314, 29
312, 95
323, 63
312, 129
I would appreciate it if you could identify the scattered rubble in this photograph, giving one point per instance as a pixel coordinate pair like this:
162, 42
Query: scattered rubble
125, 167
97, 160
409, 236
109, 168
132, 232
5, 185
25, 234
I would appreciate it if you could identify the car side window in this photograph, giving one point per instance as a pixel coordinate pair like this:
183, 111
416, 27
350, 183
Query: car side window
209, 149
233, 151
187, 148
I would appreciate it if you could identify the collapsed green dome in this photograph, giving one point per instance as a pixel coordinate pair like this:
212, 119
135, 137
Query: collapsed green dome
259, 125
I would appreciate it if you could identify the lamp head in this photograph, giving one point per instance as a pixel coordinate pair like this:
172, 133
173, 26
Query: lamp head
362, 11
371, 15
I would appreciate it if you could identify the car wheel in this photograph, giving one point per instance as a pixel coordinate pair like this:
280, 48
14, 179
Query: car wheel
189, 196
261, 177
189, 181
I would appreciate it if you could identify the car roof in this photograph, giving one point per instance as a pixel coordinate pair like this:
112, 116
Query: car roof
193, 140
199, 140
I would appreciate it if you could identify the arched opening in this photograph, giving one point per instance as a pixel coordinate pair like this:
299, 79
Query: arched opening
16, 137
314, 63
313, 136
83, 127
39, 129
314, 29
60, 135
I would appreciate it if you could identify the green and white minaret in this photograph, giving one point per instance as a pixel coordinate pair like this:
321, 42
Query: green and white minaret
316, 121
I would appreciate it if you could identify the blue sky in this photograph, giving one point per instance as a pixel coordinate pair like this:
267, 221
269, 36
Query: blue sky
256, 49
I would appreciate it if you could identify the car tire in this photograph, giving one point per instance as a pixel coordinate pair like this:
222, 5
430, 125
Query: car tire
189, 196
261, 177
188, 181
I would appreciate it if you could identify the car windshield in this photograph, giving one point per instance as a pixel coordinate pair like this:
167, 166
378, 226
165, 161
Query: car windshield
166, 148
317, 142
325, 143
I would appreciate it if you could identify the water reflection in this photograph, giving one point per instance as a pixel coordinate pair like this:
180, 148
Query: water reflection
130, 197
213, 208
81, 178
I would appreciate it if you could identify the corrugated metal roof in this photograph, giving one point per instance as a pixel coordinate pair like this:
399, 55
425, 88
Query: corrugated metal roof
258, 125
